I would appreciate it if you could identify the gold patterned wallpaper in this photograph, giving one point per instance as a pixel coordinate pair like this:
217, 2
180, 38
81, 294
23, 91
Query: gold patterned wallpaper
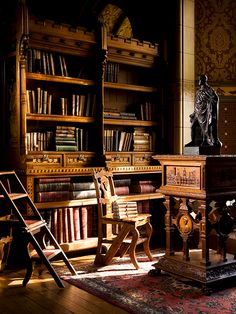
215, 40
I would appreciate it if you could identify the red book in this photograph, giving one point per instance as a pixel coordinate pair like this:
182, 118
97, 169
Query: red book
51, 180
143, 207
65, 231
51, 196
76, 223
84, 222
142, 188
71, 230
55, 224
60, 225
122, 190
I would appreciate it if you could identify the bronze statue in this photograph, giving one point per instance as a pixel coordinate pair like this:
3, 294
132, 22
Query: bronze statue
204, 124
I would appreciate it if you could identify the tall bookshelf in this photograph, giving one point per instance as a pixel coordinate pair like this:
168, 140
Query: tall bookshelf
75, 101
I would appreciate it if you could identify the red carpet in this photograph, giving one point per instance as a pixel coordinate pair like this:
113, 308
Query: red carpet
137, 292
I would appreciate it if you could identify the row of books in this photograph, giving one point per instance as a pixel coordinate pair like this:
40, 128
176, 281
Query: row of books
61, 189
139, 140
127, 186
39, 61
120, 115
122, 186
63, 138
144, 111
147, 111
69, 224
111, 72
116, 140
51, 63
39, 141
40, 101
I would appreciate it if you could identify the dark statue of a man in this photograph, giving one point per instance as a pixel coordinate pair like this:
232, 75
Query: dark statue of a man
204, 124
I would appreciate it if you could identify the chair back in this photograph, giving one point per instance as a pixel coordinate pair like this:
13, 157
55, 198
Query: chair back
104, 185
106, 195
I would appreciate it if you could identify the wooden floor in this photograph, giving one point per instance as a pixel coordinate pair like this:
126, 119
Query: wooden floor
43, 296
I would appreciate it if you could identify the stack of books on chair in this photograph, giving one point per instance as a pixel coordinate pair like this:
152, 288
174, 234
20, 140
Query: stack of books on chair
123, 210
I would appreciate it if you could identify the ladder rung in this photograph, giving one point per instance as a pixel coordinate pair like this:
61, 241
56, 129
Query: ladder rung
34, 224
15, 196
49, 253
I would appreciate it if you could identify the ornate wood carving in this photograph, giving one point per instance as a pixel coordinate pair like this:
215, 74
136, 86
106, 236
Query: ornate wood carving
198, 203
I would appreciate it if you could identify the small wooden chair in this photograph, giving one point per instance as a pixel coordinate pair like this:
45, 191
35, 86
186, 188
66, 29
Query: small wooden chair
120, 227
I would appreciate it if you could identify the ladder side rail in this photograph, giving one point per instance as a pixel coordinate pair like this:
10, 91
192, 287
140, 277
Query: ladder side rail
46, 262
29, 200
11, 203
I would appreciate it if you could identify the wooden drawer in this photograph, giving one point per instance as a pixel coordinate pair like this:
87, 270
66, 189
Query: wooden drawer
81, 159
119, 159
142, 158
51, 159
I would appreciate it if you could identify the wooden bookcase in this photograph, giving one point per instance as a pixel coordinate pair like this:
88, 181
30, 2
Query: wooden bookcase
76, 100
227, 110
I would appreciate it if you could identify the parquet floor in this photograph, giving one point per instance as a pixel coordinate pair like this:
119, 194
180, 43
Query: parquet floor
43, 296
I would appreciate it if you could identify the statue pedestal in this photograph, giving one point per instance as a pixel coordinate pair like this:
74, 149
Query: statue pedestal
196, 189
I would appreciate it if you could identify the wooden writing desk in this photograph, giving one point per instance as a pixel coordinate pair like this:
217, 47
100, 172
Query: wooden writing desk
199, 193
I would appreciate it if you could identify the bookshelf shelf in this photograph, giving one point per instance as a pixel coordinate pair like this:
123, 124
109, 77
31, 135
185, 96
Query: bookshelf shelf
57, 118
130, 122
69, 203
59, 79
129, 87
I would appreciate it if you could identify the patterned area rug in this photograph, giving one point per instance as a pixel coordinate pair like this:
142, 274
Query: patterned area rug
137, 292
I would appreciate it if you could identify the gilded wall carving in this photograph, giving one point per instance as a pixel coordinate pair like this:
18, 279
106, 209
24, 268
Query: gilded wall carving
215, 40
116, 22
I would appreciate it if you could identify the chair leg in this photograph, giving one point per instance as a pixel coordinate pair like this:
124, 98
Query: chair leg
146, 244
115, 246
99, 257
29, 271
123, 249
135, 236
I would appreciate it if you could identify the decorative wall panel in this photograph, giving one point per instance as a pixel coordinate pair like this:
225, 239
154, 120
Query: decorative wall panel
215, 40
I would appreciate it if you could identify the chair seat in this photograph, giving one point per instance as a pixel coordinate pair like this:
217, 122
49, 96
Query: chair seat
139, 217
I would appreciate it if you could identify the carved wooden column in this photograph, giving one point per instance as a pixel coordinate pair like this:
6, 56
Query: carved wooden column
169, 228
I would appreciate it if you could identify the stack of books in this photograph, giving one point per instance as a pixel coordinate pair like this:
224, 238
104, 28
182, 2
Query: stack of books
65, 138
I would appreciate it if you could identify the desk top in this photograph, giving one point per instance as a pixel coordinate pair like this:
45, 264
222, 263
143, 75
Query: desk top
202, 176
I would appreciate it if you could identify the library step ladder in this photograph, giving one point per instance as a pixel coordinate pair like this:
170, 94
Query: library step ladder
26, 216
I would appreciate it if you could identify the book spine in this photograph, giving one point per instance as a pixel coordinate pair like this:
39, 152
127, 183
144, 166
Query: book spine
65, 229
84, 222
80, 186
76, 219
71, 230
122, 190
50, 196
83, 194
52, 180
143, 188
54, 186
